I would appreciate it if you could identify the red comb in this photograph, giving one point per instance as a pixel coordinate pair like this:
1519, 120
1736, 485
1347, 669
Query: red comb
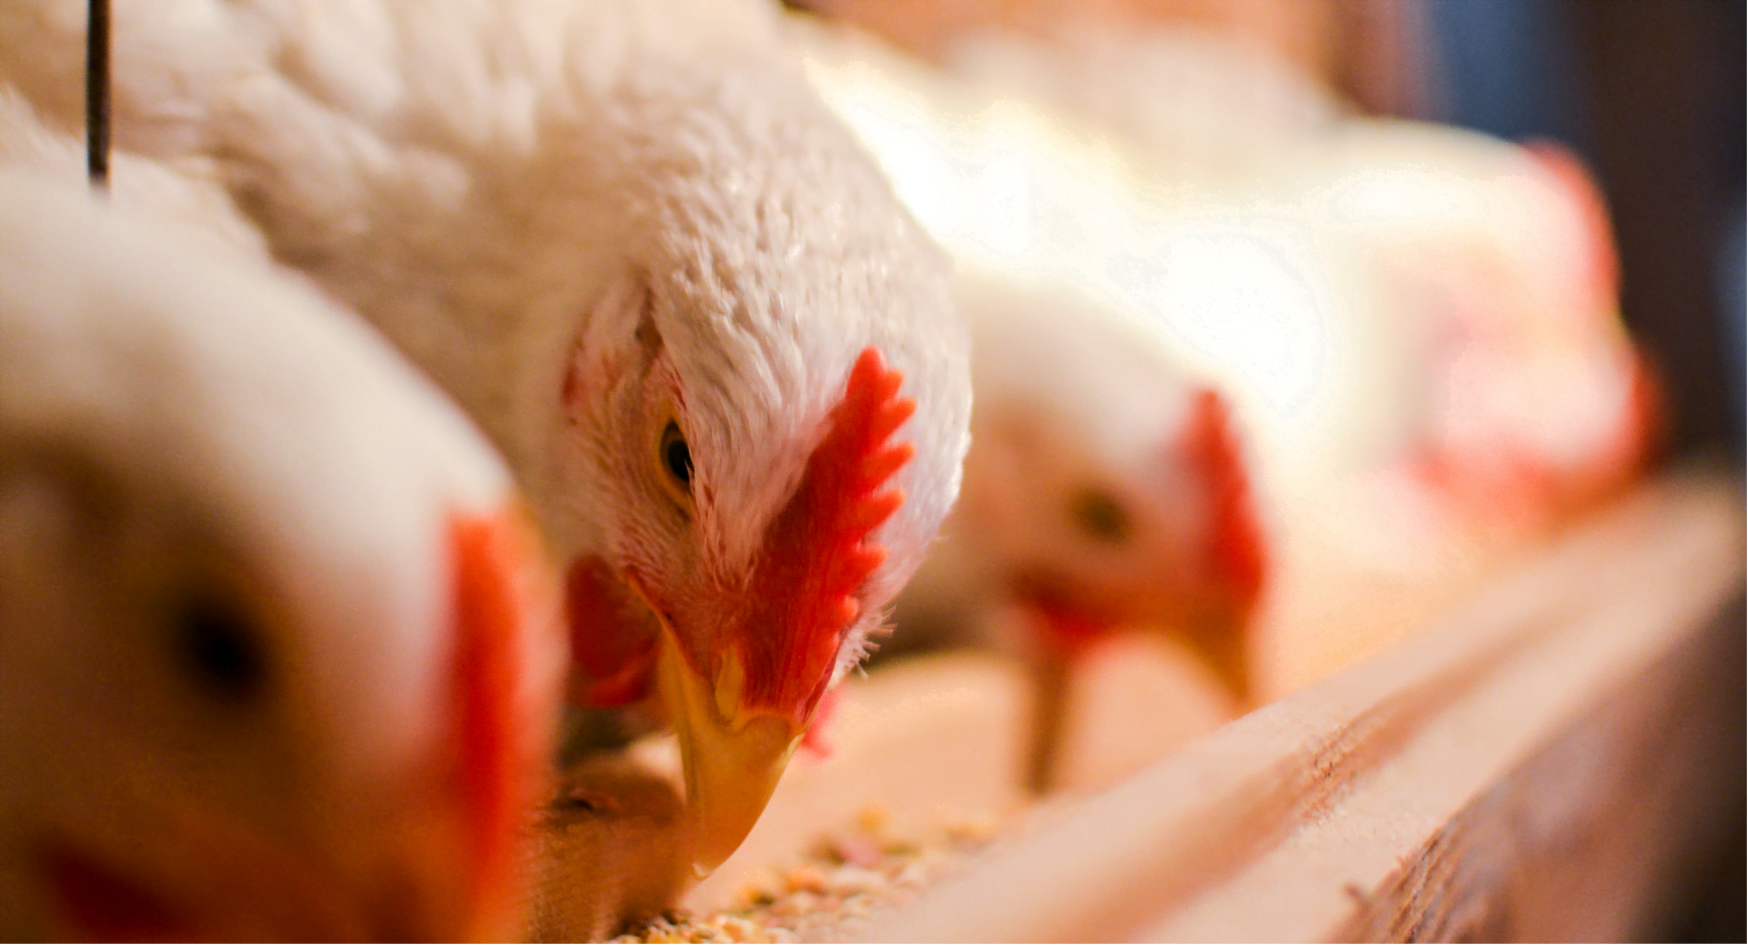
1648, 421
1237, 541
497, 611
817, 551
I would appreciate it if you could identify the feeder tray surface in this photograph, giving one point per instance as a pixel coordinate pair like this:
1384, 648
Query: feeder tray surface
1547, 760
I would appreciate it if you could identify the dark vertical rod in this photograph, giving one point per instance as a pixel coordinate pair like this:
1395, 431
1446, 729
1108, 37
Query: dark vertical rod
97, 94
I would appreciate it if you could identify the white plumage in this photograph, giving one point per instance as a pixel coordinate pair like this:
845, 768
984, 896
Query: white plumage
1107, 485
1401, 316
245, 555
587, 221
1445, 292
1094, 483
1089, 424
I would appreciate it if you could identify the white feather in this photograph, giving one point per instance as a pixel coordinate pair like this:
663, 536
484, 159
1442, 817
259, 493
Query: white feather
500, 186
175, 415
1232, 224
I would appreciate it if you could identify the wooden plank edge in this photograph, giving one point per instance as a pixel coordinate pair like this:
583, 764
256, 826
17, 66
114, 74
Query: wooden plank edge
1601, 835
1181, 848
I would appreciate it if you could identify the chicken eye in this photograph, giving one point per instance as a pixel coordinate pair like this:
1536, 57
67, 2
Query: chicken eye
676, 456
1100, 515
219, 647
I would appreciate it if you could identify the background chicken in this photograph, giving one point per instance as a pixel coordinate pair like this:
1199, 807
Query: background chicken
657, 272
1105, 490
1106, 485
1533, 402
1398, 377
1103, 487
278, 656
1470, 282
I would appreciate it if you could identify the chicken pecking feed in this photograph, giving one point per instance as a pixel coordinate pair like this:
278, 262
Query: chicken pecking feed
717, 352
1391, 316
279, 653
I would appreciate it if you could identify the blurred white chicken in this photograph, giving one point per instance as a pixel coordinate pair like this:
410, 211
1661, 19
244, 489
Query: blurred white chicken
279, 653
1401, 316
1419, 324
1097, 498
1202, 106
1107, 486
1449, 299
1104, 491
654, 268
1530, 401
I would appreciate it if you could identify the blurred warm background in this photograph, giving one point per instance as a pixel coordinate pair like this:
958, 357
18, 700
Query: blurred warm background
1650, 96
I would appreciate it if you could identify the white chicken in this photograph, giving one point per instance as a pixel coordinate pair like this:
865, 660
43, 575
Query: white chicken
1104, 490
1458, 291
1530, 400
1115, 496
279, 654
1061, 366
1107, 486
1400, 316
1200, 104
632, 244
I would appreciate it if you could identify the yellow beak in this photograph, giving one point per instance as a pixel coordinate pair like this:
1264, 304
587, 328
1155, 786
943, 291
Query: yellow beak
732, 755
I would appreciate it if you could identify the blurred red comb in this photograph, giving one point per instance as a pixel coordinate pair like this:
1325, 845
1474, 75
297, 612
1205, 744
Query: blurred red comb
1586, 194
500, 608
1213, 445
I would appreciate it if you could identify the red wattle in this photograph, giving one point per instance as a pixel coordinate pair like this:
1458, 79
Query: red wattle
613, 654
815, 742
1064, 631
498, 610
108, 906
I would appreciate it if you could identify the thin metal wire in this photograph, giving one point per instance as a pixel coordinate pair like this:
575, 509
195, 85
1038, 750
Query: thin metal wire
97, 95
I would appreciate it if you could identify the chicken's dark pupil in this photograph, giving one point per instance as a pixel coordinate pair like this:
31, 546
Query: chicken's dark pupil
1100, 515
220, 647
677, 455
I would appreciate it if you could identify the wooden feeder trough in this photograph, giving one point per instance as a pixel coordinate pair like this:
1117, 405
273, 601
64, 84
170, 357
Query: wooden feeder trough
1550, 759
